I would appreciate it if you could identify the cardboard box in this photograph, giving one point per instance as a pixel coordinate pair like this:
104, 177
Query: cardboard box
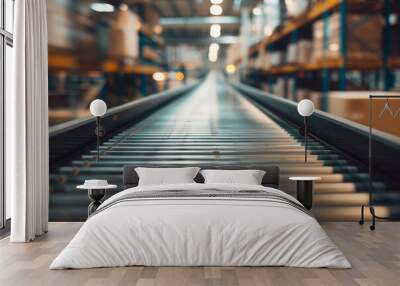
292, 53
124, 40
318, 41
316, 98
303, 93
364, 38
279, 87
304, 53
266, 63
354, 106
277, 58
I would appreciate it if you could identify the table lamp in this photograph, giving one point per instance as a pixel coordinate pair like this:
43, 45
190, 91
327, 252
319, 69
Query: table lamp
305, 108
98, 108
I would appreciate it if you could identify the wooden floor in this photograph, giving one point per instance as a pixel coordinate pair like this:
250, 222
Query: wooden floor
375, 257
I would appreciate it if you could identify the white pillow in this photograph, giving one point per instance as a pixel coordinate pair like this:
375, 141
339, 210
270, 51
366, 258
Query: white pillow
166, 176
248, 177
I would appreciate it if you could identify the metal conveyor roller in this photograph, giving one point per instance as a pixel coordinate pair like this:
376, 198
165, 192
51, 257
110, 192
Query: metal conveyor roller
214, 124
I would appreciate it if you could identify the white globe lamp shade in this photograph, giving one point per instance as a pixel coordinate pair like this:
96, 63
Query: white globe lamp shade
305, 107
98, 107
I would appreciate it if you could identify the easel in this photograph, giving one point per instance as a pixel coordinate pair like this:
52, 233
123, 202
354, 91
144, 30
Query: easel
394, 114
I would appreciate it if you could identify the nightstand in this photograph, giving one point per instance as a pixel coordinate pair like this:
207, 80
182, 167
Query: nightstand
96, 193
305, 186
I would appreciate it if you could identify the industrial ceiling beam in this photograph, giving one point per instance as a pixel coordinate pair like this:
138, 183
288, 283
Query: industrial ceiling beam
198, 21
202, 41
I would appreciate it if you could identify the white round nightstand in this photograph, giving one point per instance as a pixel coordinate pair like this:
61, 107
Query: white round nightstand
96, 195
305, 186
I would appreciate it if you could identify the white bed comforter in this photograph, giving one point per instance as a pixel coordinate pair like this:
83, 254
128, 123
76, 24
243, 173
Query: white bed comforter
200, 231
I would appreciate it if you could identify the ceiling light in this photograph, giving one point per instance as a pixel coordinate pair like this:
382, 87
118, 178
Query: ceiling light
180, 76
213, 52
215, 30
392, 19
158, 76
158, 29
214, 46
213, 57
216, 27
334, 47
230, 69
256, 11
102, 7
215, 33
216, 10
216, 1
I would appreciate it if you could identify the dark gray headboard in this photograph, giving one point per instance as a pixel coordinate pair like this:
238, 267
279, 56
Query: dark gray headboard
271, 177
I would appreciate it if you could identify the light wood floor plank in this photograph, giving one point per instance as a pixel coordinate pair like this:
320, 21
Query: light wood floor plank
375, 257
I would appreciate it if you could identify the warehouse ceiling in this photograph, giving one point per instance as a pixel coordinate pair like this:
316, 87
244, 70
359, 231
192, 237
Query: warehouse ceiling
189, 21
189, 8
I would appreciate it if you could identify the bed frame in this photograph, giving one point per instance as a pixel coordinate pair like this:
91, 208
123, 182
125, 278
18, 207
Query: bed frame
270, 179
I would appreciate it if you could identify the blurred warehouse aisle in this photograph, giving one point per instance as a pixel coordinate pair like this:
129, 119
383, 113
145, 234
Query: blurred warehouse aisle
333, 52
214, 124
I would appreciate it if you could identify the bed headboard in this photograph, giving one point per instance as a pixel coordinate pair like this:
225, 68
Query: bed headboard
271, 177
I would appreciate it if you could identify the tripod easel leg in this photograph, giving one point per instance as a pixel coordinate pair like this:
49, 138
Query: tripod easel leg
361, 221
372, 210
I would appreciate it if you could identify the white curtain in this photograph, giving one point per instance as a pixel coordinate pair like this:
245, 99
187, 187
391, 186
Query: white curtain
27, 124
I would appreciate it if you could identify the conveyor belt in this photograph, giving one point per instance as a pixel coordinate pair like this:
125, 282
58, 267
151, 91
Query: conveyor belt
215, 124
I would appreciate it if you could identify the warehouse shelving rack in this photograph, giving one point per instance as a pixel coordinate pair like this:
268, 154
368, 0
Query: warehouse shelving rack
291, 30
150, 49
112, 78
119, 69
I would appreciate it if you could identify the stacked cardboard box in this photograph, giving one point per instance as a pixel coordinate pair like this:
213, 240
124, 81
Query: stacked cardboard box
266, 61
299, 52
290, 88
364, 38
124, 36
303, 93
60, 27
316, 98
258, 61
291, 53
318, 41
277, 58
279, 87
354, 106
304, 52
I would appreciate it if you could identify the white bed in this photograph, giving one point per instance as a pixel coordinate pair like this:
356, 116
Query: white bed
185, 230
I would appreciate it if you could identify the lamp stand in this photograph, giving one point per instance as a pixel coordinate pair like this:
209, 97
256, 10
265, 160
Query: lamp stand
100, 132
306, 139
98, 137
